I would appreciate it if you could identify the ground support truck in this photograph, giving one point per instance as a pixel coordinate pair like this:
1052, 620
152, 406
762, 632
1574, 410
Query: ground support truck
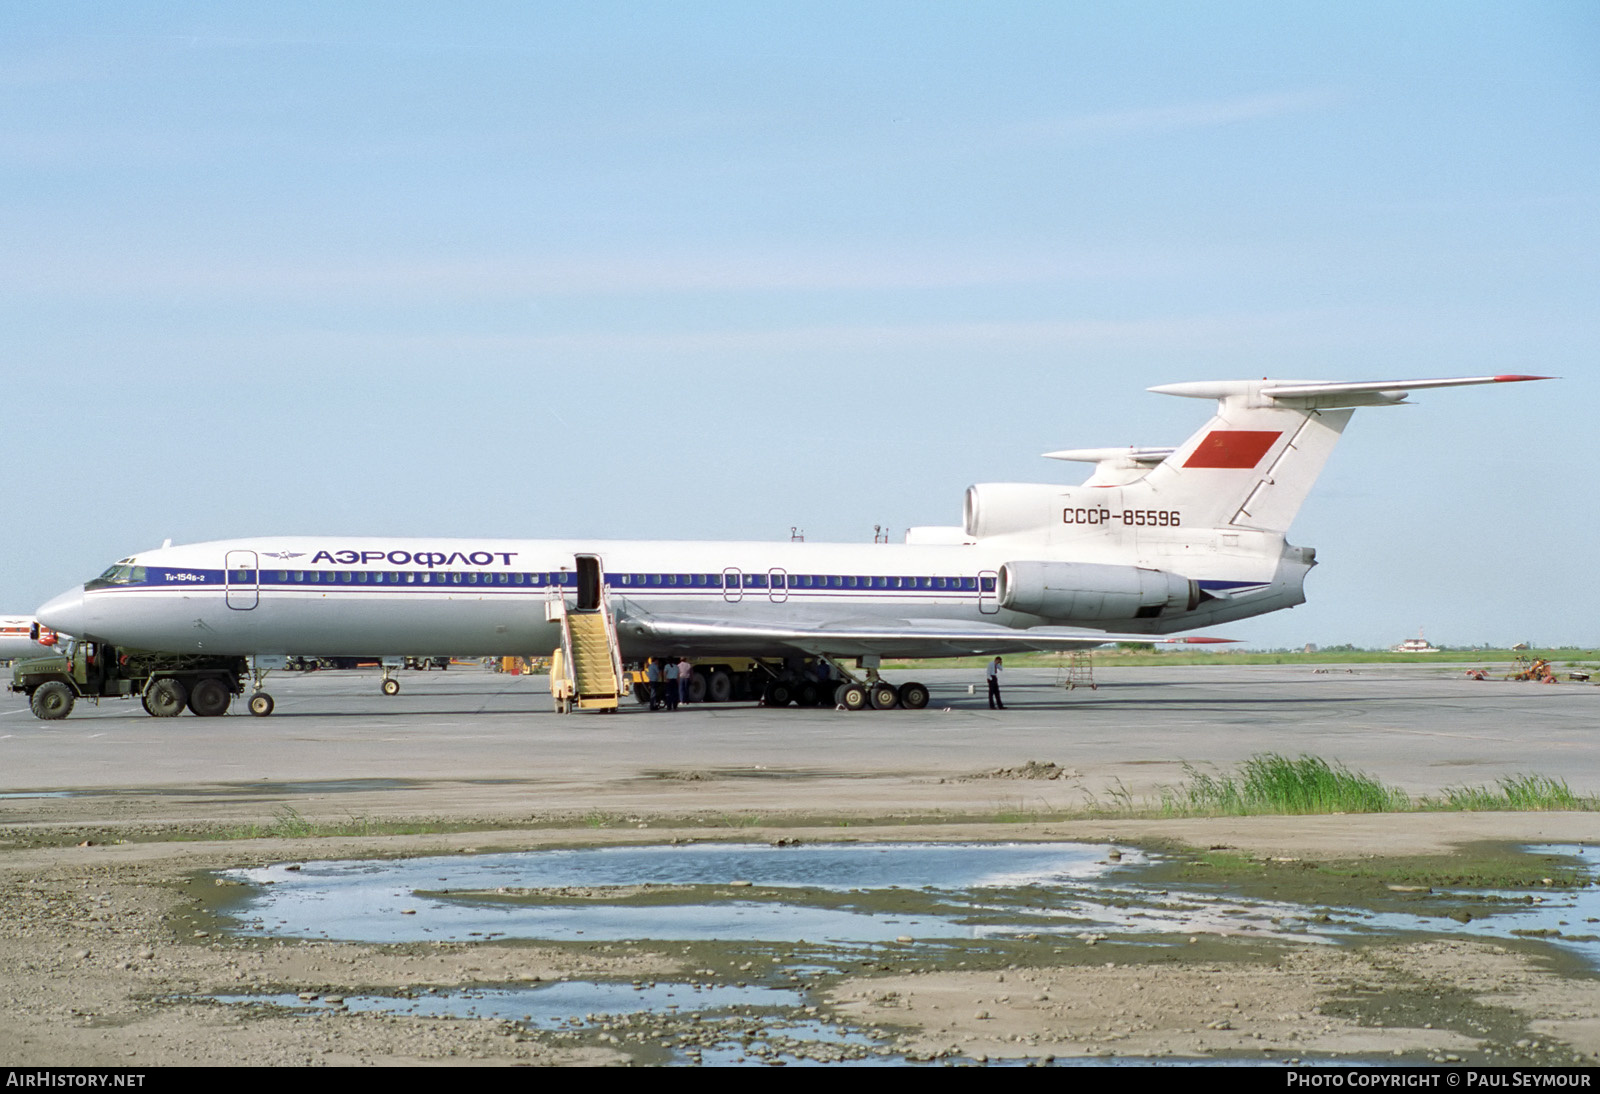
165, 683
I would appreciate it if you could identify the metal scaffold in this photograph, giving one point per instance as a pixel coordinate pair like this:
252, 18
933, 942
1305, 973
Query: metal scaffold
1075, 670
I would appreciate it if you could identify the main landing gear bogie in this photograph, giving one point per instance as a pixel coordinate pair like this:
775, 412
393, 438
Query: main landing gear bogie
880, 695
778, 685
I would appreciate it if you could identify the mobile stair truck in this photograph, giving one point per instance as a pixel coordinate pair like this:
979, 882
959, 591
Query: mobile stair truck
586, 672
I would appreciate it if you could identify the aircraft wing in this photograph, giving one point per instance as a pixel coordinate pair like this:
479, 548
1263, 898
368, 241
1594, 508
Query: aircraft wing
855, 638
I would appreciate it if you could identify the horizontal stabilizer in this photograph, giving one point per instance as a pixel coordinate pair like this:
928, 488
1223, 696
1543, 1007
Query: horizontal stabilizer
1251, 466
1295, 390
1115, 466
1151, 456
1321, 393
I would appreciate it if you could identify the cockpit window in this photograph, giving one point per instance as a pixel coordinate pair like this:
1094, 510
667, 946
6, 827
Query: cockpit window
120, 574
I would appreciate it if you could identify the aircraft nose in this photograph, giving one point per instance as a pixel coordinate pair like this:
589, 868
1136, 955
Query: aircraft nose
65, 613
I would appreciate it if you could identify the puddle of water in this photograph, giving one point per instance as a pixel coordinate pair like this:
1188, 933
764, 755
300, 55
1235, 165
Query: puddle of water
834, 894
831, 897
727, 1025
1567, 918
39, 794
558, 1005
731, 1026
460, 898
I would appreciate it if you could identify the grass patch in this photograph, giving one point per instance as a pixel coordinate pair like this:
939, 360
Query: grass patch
734, 820
1386, 882
288, 823
1270, 783
1515, 793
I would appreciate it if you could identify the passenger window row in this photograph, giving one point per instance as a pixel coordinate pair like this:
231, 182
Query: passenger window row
734, 580
731, 579
412, 577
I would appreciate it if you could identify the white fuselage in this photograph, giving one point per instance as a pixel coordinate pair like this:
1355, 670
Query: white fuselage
342, 596
17, 641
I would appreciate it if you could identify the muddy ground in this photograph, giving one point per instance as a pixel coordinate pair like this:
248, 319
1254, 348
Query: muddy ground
110, 954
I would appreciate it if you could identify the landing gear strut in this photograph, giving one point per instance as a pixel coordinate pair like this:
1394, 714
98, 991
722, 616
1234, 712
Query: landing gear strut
390, 665
260, 703
874, 691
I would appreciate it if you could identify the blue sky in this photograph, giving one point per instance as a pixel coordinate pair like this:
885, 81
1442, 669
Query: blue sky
711, 270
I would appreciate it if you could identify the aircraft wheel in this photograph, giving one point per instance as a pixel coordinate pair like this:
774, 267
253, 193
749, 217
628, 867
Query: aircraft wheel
261, 704
778, 694
697, 688
719, 689
391, 687
209, 697
913, 696
808, 695
883, 696
52, 701
851, 697
166, 698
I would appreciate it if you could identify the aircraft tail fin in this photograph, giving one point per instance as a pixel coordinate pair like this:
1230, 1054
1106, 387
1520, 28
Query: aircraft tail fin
1252, 465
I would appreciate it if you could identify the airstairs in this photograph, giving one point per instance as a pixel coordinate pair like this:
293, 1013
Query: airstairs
586, 672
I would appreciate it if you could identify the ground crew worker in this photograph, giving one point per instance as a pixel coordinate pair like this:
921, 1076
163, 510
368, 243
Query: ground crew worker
652, 683
669, 685
994, 685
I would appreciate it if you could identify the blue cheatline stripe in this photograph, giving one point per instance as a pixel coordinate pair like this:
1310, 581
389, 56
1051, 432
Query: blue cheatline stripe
427, 580
711, 595
544, 581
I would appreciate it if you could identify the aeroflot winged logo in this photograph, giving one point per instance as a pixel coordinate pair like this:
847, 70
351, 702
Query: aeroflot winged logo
1232, 448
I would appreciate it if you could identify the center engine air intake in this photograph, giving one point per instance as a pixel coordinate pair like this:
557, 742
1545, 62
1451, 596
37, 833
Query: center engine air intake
1091, 591
1006, 508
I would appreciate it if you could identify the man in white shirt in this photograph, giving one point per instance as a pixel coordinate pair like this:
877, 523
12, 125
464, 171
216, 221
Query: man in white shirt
994, 686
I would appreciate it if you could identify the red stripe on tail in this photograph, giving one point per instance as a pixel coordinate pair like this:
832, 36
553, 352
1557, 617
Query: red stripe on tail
1232, 448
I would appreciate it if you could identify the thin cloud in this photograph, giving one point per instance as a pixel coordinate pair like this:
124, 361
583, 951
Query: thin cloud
147, 275
1187, 333
1178, 116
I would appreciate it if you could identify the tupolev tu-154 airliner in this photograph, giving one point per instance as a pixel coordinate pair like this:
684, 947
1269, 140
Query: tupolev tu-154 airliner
1156, 541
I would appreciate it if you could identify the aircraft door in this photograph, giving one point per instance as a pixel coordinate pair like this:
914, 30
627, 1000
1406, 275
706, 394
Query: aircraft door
777, 586
589, 578
732, 585
242, 580
988, 592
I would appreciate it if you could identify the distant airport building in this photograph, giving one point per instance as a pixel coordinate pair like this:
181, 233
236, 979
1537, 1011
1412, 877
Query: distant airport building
1418, 644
